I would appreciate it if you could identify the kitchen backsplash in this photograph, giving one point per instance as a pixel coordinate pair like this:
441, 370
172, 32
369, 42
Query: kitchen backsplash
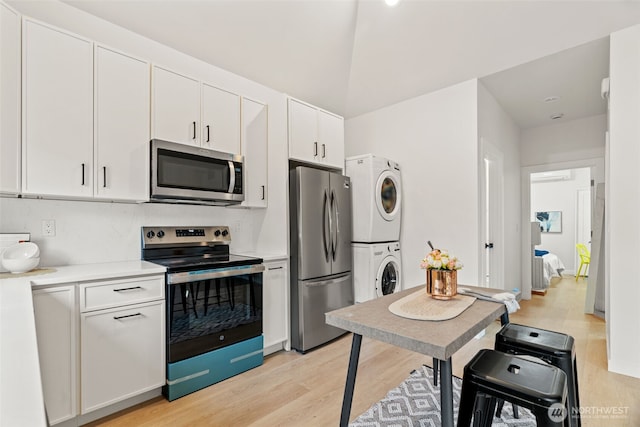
89, 232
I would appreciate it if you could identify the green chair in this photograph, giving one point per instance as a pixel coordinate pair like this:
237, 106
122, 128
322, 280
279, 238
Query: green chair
585, 258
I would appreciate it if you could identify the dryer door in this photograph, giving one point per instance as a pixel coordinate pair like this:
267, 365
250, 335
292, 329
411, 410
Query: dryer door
388, 277
388, 195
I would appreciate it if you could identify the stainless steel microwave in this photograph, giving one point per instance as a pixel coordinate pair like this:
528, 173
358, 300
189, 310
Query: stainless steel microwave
187, 174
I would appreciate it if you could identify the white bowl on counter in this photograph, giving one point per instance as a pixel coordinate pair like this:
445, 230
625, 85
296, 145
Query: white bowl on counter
21, 257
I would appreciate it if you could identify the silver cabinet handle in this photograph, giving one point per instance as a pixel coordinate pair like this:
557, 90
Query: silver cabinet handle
194, 130
315, 148
104, 177
324, 150
127, 289
128, 315
275, 268
262, 192
208, 134
83, 174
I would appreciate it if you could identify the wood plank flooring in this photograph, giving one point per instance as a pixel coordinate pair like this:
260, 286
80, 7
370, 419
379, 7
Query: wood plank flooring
291, 389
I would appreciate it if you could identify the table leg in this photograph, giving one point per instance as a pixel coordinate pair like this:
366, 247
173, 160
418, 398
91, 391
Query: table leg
446, 393
351, 380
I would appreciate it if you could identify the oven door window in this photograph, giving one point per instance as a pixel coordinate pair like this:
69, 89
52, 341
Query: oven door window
183, 170
210, 314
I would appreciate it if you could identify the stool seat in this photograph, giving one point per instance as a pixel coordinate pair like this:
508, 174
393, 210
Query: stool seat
492, 375
552, 347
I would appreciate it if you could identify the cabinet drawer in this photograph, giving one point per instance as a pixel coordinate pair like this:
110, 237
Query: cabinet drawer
113, 293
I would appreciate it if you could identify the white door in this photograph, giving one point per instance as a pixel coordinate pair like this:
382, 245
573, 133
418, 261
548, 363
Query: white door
331, 139
303, 132
220, 120
122, 126
57, 112
492, 217
56, 331
254, 150
176, 107
583, 222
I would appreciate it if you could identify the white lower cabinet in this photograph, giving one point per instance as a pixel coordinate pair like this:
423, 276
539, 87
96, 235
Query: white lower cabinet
275, 303
56, 329
99, 343
122, 353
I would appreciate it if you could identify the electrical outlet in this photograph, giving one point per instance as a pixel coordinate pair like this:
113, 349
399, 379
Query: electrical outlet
48, 227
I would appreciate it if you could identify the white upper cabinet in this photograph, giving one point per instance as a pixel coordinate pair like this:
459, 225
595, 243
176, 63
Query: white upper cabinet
57, 131
220, 120
176, 107
9, 100
331, 139
122, 107
187, 111
315, 136
254, 149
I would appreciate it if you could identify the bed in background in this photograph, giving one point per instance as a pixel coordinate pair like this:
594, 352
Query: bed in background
544, 266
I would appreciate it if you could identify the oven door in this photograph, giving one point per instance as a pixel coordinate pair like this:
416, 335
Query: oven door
211, 309
182, 172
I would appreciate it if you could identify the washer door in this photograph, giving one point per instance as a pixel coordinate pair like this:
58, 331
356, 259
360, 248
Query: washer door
388, 195
388, 277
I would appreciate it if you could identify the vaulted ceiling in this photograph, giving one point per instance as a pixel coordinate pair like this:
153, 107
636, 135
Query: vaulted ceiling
355, 56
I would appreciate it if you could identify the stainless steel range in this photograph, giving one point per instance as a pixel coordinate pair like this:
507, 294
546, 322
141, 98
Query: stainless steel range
214, 305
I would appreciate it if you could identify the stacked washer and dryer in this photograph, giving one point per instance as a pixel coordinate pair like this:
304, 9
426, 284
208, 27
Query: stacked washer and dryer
376, 208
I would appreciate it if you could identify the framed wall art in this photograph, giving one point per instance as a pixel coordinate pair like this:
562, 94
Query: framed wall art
550, 221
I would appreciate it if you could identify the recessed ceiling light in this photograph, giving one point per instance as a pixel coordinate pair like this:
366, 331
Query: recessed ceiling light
391, 3
552, 98
556, 116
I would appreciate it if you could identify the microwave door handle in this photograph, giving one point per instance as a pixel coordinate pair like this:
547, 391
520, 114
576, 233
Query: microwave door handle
232, 177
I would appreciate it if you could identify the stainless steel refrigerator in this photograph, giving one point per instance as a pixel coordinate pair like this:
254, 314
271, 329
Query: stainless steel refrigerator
321, 281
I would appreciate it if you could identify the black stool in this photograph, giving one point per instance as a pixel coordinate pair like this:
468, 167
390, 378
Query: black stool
492, 375
553, 347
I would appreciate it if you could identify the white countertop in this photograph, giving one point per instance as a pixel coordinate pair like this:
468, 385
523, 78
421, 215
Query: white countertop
21, 400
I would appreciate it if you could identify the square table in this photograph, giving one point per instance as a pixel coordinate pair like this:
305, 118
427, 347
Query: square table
438, 339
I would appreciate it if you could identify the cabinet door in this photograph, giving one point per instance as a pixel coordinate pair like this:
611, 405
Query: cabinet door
303, 131
275, 304
254, 150
123, 353
56, 330
176, 107
331, 139
121, 126
220, 120
57, 112
9, 100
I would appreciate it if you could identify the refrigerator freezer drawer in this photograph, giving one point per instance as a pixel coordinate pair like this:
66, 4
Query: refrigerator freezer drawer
315, 298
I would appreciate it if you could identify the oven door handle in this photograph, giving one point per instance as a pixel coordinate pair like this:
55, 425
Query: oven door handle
195, 276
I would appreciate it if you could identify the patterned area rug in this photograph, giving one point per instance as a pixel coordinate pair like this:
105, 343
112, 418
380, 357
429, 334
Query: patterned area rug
416, 403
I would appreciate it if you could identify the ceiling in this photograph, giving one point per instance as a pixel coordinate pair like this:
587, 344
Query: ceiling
355, 56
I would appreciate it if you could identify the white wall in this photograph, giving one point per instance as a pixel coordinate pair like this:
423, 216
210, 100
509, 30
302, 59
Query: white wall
107, 232
564, 141
496, 126
561, 196
623, 203
434, 139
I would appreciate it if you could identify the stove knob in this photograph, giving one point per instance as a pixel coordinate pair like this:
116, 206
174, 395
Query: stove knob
224, 233
217, 233
150, 234
160, 234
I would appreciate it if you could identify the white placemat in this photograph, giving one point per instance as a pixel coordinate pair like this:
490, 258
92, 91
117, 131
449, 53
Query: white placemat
421, 306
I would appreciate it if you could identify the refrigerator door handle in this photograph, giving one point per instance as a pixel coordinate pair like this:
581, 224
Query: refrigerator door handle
326, 228
334, 237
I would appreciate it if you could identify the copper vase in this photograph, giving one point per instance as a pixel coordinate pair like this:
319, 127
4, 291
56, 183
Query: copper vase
442, 284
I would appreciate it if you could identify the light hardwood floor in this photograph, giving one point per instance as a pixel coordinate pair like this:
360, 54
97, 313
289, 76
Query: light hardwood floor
291, 389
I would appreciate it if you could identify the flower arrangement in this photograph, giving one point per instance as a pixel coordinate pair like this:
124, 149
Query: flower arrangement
440, 260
